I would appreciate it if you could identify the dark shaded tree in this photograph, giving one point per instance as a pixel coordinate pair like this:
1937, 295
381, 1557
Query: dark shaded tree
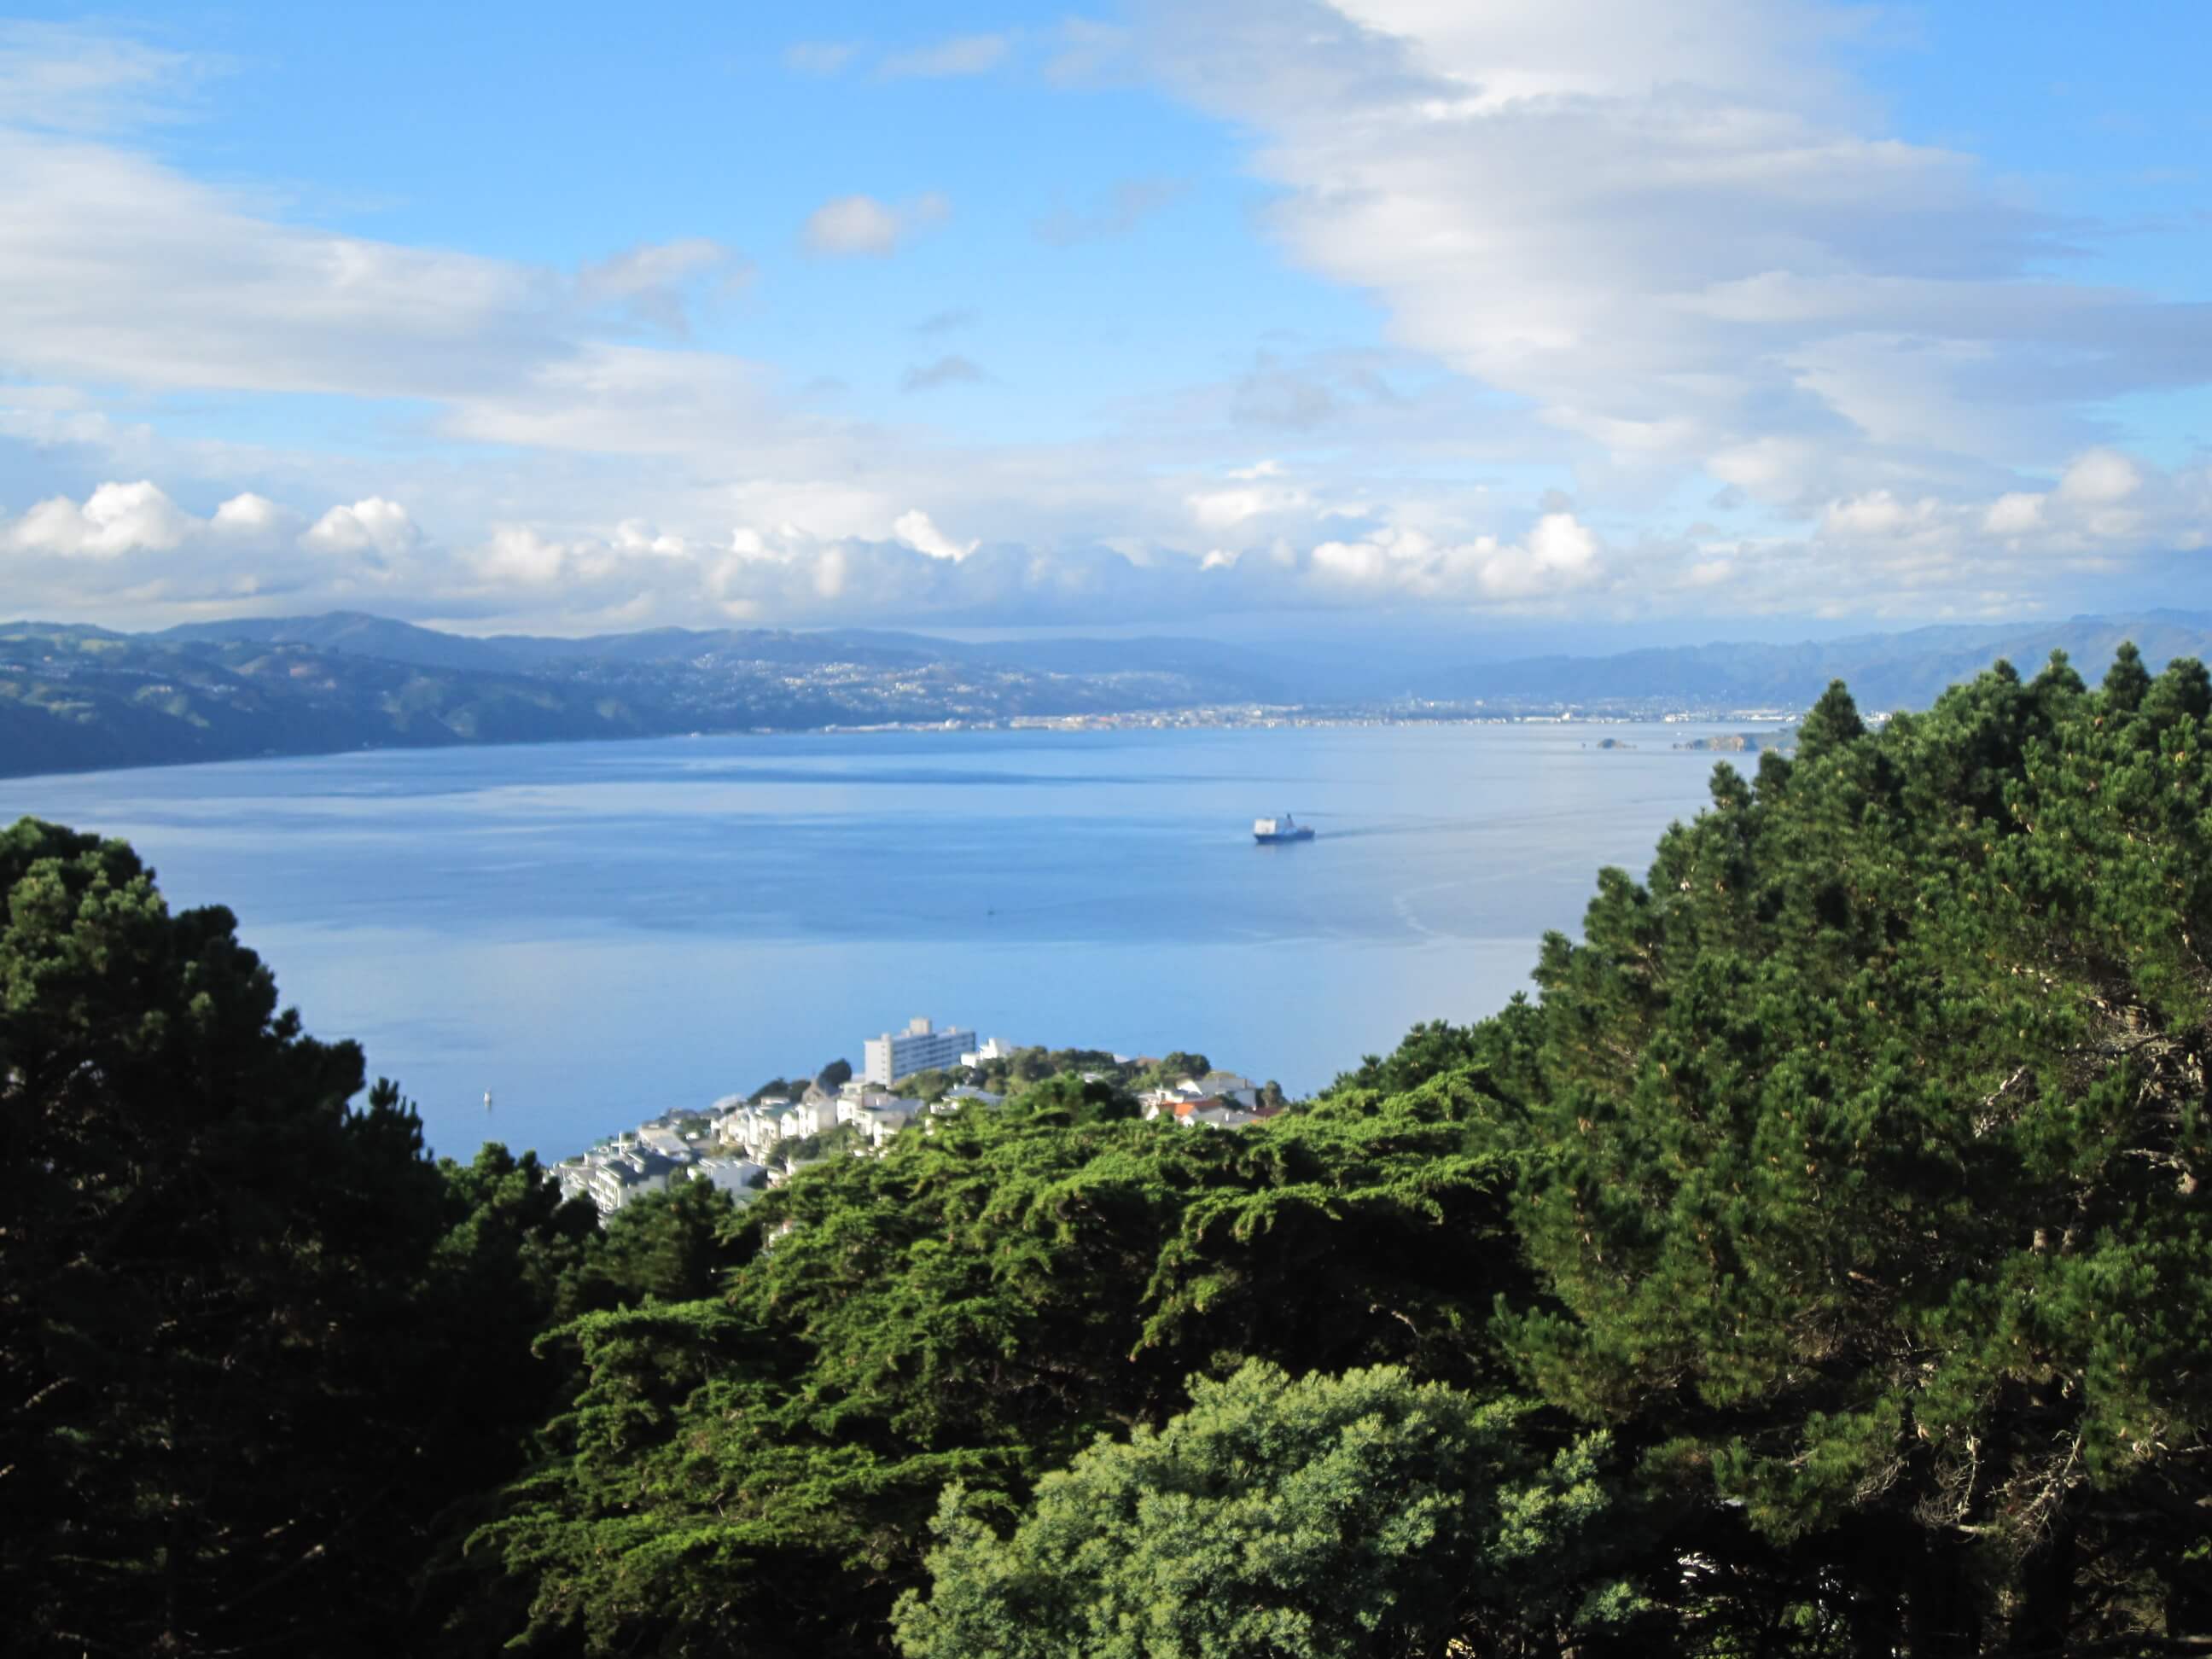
218, 1412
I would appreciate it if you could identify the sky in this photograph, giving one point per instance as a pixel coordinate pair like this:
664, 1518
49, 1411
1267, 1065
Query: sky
1738, 316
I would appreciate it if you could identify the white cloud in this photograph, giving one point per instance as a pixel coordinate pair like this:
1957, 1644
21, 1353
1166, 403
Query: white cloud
1089, 53
1678, 232
1559, 556
375, 526
2013, 513
1257, 491
950, 370
1124, 207
818, 57
650, 282
114, 519
915, 529
850, 225
249, 515
78, 78
521, 556
1878, 512
638, 535
1674, 240
967, 54
2100, 478
116, 270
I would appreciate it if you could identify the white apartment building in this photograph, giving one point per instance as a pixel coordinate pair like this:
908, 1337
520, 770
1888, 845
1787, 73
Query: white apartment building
919, 1048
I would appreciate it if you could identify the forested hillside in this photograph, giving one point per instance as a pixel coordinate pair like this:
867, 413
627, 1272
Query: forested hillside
75, 699
1820, 1265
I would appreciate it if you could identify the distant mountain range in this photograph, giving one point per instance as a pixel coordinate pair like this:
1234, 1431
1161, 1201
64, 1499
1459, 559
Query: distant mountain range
1884, 671
74, 697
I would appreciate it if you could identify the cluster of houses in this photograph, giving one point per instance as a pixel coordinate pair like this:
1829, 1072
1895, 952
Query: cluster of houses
741, 1145
758, 1127
1220, 1100
673, 1147
745, 1146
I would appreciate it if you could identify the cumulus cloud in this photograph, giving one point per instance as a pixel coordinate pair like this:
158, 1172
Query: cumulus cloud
1257, 491
2013, 513
1558, 555
2105, 510
2100, 478
915, 529
861, 225
1615, 249
130, 545
375, 526
114, 519
1253, 545
250, 513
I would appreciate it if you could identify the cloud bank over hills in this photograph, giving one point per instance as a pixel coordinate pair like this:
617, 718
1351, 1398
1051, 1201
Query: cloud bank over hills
1671, 320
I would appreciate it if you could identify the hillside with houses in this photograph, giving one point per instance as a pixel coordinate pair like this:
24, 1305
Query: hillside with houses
743, 1146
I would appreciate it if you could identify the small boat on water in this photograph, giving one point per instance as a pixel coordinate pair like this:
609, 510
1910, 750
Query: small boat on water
1268, 831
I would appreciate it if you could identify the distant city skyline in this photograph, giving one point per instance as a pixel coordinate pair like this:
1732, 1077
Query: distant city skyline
1726, 316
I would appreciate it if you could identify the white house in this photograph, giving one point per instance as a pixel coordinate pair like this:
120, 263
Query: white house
741, 1178
856, 1108
809, 1118
880, 1123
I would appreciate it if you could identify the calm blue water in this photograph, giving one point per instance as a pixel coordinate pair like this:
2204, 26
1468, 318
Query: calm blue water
596, 933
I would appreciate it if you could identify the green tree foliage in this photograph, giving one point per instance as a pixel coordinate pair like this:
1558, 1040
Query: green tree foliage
1172, 1068
660, 1247
1820, 1266
1006, 1073
756, 1475
1868, 1137
928, 1087
838, 1140
1431, 1049
216, 1404
1360, 1516
262, 1359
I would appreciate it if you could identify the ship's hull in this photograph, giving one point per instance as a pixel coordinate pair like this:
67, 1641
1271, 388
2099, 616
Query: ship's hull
1273, 838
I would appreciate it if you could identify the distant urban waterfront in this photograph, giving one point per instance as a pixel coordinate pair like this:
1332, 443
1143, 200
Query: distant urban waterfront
595, 933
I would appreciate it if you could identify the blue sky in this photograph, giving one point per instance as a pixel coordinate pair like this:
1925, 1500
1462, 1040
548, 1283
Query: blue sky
1535, 315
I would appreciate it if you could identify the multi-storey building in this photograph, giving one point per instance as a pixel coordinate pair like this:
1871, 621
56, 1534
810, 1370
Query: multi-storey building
919, 1048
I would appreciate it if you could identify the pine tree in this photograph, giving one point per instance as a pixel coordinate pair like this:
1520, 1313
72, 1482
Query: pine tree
1870, 1135
207, 1275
